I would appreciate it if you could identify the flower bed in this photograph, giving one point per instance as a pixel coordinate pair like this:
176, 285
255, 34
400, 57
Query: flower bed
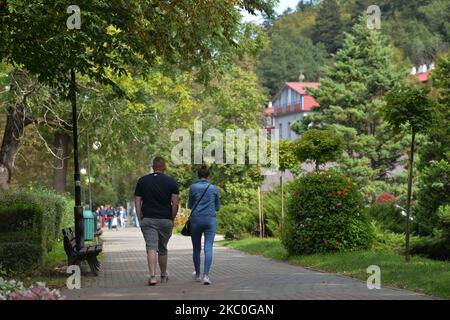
15, 290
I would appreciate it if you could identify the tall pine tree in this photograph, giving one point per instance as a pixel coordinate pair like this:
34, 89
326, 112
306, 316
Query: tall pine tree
351, 93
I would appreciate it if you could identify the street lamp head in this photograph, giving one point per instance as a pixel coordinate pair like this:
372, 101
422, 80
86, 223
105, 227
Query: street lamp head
96, 145
83, 171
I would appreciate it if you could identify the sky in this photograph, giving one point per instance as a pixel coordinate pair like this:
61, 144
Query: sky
282, 5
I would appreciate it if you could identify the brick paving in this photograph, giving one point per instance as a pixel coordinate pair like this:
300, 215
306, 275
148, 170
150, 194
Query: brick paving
235, 276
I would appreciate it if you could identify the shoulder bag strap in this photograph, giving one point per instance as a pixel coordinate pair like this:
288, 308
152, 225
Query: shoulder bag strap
196, 204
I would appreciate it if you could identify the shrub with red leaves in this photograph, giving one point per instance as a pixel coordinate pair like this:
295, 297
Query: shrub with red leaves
386, 197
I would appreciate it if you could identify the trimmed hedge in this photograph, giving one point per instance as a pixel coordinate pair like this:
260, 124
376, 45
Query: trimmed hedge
30, 220
26, 222
54, 206
20, 256
17, 216
325, 214
23, 222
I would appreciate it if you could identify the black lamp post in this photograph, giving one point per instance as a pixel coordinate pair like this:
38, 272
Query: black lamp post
78, 209
89, 173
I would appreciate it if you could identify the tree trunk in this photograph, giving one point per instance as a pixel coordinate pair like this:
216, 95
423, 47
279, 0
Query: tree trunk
259, 213
14, 129
408, 204
61, 144
282, 202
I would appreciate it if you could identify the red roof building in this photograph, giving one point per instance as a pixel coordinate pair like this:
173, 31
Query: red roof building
293, 102
290, 105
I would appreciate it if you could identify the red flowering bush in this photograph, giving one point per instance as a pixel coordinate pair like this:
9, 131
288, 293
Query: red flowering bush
325, 213
386, 197
179, 222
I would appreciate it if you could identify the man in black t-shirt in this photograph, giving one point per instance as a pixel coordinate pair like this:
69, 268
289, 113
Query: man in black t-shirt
156, 200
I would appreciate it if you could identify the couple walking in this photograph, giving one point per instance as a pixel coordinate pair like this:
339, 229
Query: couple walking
156, 200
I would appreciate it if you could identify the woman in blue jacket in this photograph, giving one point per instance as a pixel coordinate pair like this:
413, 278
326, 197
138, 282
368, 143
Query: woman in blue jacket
204, 197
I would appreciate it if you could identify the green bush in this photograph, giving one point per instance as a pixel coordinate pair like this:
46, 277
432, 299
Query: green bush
434, 191
18, 216
30, 219
387, 216
20, 256
436, 246
324, 213
23, 222
237, 221
55, 208
387, 241
444, 218
272, 213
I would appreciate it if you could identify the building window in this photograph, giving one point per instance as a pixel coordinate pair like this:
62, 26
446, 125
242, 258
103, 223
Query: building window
280, 130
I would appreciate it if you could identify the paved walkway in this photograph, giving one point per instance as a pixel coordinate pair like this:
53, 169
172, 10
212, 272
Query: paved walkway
235, 275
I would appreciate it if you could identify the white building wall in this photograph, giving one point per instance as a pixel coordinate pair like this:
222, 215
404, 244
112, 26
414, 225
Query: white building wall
285, 120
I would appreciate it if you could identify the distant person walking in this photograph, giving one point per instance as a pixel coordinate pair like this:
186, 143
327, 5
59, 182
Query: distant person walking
204, 198
123, 217
156, 201
102, 216
110, 216
135, 218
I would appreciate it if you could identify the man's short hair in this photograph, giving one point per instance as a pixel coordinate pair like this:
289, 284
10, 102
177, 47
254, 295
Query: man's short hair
203, 172
158, 163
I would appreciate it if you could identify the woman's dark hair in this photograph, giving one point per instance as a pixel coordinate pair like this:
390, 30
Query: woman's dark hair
203, 172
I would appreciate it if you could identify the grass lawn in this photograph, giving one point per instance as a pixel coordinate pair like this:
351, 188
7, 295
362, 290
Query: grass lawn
421, 274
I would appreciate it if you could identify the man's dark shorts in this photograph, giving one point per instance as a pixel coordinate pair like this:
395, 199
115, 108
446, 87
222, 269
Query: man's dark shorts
157, 233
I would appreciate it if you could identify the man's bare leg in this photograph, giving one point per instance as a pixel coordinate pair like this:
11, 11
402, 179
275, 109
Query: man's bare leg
151, 260
162, 260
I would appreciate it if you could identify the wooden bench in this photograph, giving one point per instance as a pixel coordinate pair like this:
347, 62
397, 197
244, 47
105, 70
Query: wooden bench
88, 254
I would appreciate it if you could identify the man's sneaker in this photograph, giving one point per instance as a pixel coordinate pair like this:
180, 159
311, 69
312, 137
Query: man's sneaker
206, 280
195, 277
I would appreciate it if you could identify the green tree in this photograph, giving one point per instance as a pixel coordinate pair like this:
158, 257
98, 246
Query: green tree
234, 101
437, 146
320, 146
433, 192
113, 36
290, 52
288, 159
351, 92
409, 108
329, 27
434, 154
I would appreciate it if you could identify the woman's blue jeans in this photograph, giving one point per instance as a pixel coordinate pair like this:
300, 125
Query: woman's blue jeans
203, 225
